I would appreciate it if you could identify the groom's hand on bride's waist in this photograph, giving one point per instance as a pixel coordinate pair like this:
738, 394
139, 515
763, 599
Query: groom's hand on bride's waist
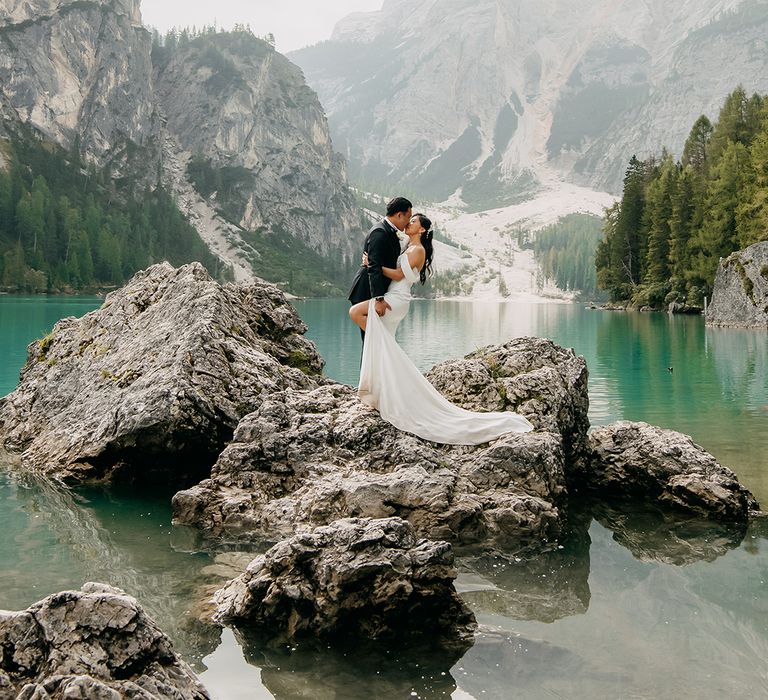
381, 306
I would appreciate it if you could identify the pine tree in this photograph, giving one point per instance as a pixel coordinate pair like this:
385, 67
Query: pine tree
695, 149
680, 229
607, 274
738, 122
717, 237
628, 245
752, 212
7, 205
659, 206
14, 267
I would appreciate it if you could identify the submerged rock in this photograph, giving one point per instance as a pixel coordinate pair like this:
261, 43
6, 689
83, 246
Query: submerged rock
740, 292
94, 643
356, 578
152, 384
306, 458
638, 460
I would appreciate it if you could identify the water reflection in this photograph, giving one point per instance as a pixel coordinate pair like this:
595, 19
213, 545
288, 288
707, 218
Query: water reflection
741, 361
546, 587
506, 664
613, 609
365, 670
656, 534
57, 539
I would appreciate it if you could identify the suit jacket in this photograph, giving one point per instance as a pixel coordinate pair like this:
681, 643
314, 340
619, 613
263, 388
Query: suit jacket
383, 247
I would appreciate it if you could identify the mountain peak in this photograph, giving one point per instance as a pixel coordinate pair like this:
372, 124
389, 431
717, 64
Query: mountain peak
490, 98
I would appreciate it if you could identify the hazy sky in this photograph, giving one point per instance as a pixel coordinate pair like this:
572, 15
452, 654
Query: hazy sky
295, 23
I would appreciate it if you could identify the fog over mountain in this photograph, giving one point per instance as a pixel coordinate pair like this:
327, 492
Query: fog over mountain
501, 98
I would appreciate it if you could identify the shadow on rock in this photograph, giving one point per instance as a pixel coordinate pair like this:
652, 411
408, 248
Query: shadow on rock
653, 533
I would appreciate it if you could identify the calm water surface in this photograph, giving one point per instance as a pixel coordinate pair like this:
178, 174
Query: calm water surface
634, 603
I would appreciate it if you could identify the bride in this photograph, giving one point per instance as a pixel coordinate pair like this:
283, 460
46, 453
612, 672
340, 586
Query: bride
391, 383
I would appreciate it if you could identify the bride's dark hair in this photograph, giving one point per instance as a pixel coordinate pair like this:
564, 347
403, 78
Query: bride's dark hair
426, 241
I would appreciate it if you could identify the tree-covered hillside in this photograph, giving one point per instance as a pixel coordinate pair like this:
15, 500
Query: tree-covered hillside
565, 252
676, 220
68, 226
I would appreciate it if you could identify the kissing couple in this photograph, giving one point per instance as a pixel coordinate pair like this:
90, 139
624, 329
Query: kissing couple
397, 253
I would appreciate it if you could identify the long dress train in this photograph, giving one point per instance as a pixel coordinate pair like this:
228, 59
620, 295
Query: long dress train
391, 383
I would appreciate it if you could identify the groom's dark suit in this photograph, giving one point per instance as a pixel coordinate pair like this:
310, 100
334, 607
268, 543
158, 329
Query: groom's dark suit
383, 247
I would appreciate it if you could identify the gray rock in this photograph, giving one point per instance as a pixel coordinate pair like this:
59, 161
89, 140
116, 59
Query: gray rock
96, 643
675, 307
636, 460
244, 108
153, 383
356, 578
306, 458
740, 293
531, 376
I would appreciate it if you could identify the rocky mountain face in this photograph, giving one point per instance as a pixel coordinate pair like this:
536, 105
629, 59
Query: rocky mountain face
500, 98
740, 294
224, 121
256, 140
79, 73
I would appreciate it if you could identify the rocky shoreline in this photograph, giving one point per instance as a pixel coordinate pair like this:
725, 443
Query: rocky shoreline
214, 388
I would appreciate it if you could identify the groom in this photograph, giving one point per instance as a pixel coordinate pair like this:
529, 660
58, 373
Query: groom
383, 247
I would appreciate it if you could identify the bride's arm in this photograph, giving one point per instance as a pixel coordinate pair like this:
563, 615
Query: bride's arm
391, 272
415, 259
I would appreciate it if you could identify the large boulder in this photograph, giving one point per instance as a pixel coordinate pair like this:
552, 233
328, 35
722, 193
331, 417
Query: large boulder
637, 460
354, 579
740, 293
307, 458
153, 383
531, 376
96, 643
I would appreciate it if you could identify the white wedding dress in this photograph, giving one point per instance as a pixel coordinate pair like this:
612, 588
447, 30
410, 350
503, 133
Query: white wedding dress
391, 383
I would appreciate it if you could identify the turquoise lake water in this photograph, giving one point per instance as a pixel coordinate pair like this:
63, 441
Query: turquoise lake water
634, 604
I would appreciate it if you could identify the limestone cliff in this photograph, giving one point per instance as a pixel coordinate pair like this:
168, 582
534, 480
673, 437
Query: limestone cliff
258, 139
79, 72
85, 76
498, 98
740, 294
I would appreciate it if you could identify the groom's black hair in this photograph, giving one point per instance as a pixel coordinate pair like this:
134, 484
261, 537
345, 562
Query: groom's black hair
397, 205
